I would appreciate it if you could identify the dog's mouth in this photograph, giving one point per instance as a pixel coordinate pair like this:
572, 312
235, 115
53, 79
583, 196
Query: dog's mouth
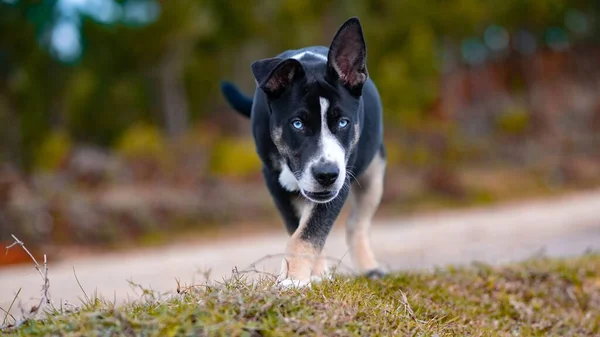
320, 197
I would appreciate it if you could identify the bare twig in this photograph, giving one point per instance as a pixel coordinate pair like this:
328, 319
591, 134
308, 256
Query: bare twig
252, 267
5, 326
80, 286
264, 258
45, 299
46, 280
340, 262
9, 308
256, 271
185, 289
20, 243
408, 308
43, 274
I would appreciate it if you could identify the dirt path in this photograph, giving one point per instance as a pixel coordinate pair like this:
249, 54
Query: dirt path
562, 226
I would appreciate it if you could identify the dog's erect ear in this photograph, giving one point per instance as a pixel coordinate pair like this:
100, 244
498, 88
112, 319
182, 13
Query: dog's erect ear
347, 59
274, 75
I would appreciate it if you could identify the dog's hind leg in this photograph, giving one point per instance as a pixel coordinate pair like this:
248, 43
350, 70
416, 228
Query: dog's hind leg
365, 197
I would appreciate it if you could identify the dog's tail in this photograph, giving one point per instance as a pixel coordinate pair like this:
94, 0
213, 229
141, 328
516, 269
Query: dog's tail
240, 102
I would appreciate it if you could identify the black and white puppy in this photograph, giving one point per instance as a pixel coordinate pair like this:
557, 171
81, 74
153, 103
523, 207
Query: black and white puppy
317, 124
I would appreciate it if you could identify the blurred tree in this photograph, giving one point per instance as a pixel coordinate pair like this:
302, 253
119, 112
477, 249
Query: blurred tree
160, 62
31, 105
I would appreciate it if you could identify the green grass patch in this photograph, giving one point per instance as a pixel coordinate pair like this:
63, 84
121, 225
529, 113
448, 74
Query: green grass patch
542, 297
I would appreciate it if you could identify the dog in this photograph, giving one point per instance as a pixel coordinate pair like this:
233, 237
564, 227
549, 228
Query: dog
317, 123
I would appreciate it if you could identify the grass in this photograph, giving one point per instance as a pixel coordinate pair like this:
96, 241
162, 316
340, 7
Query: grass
540, 297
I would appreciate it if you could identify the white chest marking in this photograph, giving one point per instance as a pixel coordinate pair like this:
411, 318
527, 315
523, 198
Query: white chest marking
287, 179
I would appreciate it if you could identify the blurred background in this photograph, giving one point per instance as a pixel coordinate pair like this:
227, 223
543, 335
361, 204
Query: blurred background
113, 131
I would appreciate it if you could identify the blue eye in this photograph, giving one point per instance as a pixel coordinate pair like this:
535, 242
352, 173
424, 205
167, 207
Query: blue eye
343, 123
297, 124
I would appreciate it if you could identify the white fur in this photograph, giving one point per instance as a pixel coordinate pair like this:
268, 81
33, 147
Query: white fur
330, 150
318, 279
304, 53
299, 206
294, 284
287, 179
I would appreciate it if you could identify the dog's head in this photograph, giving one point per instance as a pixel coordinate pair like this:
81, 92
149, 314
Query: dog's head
314, 106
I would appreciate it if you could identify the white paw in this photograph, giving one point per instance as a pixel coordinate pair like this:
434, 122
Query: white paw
318, 279
290, 284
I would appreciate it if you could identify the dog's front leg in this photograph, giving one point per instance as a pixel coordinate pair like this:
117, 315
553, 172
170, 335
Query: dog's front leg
307, 242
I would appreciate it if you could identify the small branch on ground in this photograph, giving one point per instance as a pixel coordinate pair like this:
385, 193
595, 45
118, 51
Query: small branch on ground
20, 243
409, 310
185, 289
9, 308
46, 280
252, 267
43, 271
80, 286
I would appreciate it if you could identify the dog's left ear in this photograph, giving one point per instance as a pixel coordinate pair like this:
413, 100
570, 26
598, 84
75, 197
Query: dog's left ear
275, 75
347, 59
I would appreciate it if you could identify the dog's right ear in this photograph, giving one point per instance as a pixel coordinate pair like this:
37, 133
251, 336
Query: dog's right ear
347, 58
274, 75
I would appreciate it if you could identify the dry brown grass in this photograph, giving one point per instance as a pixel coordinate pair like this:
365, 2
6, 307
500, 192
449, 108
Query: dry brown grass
541, 297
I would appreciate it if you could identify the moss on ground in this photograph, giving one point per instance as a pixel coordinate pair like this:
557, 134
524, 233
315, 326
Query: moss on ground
541, 297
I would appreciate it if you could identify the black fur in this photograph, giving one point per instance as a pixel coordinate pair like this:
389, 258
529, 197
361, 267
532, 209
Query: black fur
289, 89
237, 100
282, 199
375, 274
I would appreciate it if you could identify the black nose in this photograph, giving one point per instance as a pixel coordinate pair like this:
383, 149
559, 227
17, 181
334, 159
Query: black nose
325, 174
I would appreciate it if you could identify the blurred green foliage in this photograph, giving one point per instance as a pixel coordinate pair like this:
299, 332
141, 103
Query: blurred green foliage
164, 70
513, 121
143, 142
54, 149
234, 158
